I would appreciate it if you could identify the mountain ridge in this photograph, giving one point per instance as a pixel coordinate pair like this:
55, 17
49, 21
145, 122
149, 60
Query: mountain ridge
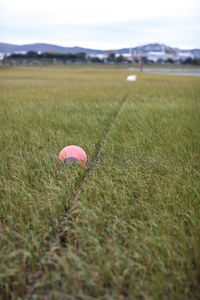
7, 48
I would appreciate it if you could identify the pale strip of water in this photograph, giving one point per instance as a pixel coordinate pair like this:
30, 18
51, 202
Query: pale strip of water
170, 71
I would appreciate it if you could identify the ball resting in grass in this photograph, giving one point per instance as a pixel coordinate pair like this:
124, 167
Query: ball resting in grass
73, 154
131, 78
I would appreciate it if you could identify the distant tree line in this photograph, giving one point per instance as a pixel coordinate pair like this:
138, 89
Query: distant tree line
49, 55
53, 57
187, 61
191, 61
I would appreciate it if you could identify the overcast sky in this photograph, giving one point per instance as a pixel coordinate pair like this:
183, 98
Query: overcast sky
101, 24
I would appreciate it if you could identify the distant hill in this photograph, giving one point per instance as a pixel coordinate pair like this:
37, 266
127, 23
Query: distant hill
10, 48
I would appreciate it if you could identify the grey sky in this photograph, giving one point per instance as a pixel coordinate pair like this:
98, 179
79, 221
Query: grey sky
101, 24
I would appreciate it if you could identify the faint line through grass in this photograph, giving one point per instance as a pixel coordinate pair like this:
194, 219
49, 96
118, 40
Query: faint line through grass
85, 180
59, 233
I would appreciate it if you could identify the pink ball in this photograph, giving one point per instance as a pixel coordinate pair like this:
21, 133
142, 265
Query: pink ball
73, 153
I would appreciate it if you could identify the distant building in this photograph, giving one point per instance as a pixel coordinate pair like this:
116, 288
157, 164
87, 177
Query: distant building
130, 57
160, 55
185, 55
127, 56
20, 52
2, 56
168, 54
100, 56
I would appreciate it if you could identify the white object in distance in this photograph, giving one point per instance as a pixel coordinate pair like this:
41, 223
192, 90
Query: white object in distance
131, 78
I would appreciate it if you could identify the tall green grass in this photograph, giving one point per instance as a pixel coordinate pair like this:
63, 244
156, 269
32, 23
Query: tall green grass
134, 231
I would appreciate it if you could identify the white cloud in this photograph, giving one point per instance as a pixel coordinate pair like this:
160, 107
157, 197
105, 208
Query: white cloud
108, 23
92, 12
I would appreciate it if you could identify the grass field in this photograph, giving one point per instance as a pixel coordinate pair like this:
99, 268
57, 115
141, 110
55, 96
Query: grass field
133, 233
